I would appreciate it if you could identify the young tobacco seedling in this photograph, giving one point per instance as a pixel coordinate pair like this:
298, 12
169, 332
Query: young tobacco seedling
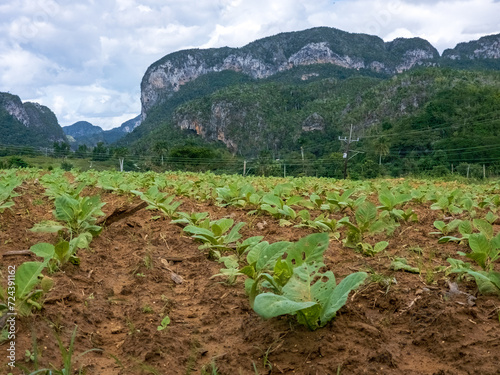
340, 202
322, 223
164, 323
391, 201
444, 228
7, 186
488, 282
159, 201
277, 207
79, 215
366, 223
447, 203
304, 291
30, 286
237, 195
194, 218
216, 237
485, 252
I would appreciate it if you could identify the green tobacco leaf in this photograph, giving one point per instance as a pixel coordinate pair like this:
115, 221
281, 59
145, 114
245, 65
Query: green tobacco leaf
387, 199
484, 227
66, 208
379, 246
43, 250
446, 239
366, 213
221, 226
90, 207
491, 217
164, 323
248, 271
269, 305
288, 211
339, 296
269, 254
488, 283
402, 264
252, 241
480, 248
234, 235
439, 225
465, 227
62, 251
282, 272
48, 226
299, 287
27, 277
272, 200
294, 200
198, 231
81, 242
309, 249
322, 289
254, 253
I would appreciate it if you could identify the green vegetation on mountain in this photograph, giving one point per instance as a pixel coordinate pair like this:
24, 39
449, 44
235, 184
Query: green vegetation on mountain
424, 119
41, 128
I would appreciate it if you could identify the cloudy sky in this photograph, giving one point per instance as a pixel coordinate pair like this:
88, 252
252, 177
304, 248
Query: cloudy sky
85, 59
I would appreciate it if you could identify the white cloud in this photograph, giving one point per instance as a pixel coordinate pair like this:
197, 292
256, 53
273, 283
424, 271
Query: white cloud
85, 59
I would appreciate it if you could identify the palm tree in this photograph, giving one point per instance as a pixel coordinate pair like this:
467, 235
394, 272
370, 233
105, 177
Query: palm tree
381, 147
120, 153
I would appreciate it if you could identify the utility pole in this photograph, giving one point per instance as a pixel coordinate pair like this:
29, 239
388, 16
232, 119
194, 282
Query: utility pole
346, 153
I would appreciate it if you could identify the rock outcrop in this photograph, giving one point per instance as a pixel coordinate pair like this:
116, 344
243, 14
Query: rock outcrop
27, 123
487, 47
268, 56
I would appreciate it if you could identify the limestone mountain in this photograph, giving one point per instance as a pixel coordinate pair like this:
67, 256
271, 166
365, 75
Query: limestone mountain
268, 56
487, 47
297, 88
81, 129
23, 124
84, 133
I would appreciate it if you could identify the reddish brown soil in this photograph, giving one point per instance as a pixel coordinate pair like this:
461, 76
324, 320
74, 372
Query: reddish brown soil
412, 326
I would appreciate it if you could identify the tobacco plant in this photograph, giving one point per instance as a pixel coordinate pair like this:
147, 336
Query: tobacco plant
392, 201
340, 202
218, 235
279, 208
30, 286
237, 195
56, 185
195, 218
159, 201
485, 251
298, 287
78, 215
322, 223
366, 223
7, 186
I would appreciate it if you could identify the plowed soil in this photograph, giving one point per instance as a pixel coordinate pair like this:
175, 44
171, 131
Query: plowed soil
396, 323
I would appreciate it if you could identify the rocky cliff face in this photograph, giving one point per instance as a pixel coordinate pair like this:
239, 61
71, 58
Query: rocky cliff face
316, 54
487, 47
269, 56
14, 107
27, 123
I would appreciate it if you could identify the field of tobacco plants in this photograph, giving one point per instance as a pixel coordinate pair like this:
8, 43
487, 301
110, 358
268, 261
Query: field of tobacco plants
184, 273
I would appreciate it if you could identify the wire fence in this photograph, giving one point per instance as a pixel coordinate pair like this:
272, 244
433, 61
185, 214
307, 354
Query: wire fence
419, 165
